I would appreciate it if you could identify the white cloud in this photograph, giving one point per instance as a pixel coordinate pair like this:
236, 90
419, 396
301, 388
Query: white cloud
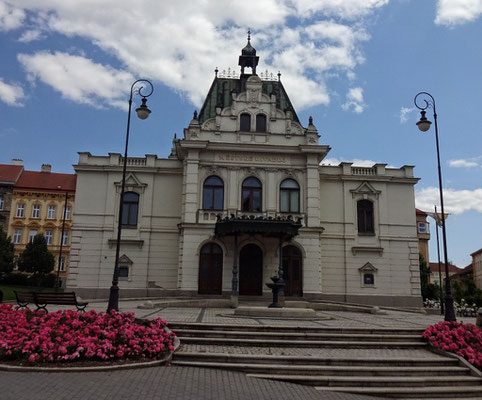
78, 78
11, 17
180, 43
455, 201
456, 12
30, 36
404, 112
354, 100
11, 94
356, 162
464, 163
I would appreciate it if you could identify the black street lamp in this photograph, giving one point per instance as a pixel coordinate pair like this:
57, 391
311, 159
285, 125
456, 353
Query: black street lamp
424, 125
142, 112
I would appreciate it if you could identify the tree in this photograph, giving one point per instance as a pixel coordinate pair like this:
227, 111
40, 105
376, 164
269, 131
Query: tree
6, 253
36, 258
424, 277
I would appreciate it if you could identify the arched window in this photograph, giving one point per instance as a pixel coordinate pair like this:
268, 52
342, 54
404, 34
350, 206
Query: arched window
289, 196
213, 193
210, 269
251, 195
130, 206
245, 122
365, 216
260, 123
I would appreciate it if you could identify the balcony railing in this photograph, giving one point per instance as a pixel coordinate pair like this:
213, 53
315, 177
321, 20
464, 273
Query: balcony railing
210, 216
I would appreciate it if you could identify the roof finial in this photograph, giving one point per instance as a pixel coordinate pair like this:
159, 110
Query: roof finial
279, 76
249, 35
195, 114
310, 120
216, 72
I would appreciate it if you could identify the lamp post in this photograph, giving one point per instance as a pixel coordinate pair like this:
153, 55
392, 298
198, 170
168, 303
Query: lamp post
424, 125
142, 112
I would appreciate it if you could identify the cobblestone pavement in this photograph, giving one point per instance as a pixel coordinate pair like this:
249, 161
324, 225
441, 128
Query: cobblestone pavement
161, 383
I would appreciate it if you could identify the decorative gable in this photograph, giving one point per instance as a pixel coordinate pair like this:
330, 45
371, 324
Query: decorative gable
368, 268
132, 184
125, 260
365, 190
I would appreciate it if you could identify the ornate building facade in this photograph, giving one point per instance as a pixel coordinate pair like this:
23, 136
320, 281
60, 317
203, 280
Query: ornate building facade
39, 202
241, 198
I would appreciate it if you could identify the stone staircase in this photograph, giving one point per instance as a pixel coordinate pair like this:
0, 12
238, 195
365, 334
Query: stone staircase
391, 363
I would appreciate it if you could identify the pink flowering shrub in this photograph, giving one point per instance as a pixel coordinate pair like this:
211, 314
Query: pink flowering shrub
71, 336
456, 337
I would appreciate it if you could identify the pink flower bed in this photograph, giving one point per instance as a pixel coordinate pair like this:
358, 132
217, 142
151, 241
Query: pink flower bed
71, 336
456, 337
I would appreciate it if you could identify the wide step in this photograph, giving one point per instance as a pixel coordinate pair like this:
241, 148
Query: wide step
319, 336
374, 381
320, 370
314, 360
297, 343
436, 392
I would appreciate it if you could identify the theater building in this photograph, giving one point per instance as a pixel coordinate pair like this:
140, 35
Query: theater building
242, 197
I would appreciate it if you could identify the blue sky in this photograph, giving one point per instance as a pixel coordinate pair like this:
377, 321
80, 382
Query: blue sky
354, 65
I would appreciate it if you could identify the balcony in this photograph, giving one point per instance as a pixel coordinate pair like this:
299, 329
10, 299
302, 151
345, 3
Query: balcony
210, 216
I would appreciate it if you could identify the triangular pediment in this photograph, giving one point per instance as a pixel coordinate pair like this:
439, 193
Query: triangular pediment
365, 189
125, 260
368, 268
133, 183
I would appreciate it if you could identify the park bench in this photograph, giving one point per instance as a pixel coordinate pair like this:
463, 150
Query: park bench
41, 300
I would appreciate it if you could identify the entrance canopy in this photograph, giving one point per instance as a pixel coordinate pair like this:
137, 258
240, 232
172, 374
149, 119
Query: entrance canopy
285, 228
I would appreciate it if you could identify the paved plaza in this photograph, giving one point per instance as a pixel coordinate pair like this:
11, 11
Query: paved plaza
171, 382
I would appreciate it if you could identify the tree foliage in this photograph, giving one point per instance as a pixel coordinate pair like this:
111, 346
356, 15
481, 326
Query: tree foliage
6, 253
36, 258
424, 277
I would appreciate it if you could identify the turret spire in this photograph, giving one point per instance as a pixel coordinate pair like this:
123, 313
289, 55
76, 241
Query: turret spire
248, 56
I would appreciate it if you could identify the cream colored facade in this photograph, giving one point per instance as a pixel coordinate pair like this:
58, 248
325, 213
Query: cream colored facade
477, 267
163, 252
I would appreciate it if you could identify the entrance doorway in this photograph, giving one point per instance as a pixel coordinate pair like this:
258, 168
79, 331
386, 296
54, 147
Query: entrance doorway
210, 269
251, 271
292, 271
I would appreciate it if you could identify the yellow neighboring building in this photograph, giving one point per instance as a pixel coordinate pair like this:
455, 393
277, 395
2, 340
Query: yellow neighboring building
423, 233
38, 207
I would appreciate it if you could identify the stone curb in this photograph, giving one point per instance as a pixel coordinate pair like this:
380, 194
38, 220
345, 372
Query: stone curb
473, 370
165, 360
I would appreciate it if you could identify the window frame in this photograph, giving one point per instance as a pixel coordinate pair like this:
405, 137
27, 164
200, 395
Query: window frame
67, 213
213, 188
65, 238
251, 191
243, 123
20, 213
289, 192
365, 217
129, 209
49, 236
2, 202
62, 263
264, 127
51, 212
36, 211
17, 236
31, 236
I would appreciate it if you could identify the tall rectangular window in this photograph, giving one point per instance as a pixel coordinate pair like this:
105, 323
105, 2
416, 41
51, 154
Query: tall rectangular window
31, 235
36, 211
65, 238
61, 264
51, 214
17, 236
20, 210
67, 213
365, 217
48, 237
2, 202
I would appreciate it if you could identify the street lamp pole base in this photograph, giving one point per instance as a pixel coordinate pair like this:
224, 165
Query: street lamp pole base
113, 299
449, 309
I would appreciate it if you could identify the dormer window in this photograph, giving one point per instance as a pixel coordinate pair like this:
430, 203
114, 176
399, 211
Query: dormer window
245, 122
260, 123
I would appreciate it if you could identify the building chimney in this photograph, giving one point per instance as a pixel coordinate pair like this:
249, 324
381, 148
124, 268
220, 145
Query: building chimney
46, 168
17, 161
